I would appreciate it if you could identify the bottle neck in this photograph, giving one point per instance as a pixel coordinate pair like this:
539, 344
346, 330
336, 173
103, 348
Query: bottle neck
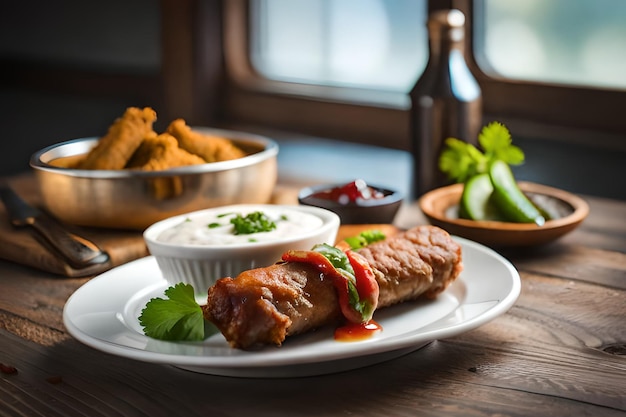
446, 73
445, 39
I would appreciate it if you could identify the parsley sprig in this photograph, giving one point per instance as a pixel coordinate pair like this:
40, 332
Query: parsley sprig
179, 317
461, 160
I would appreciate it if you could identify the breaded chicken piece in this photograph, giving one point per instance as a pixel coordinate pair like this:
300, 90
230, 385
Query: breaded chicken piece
161, 152
71, 161
210, 148
122, 140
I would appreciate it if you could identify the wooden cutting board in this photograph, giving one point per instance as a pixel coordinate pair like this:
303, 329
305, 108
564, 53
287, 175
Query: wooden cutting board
20, 245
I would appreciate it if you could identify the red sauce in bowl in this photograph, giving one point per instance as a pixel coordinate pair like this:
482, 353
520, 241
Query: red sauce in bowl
350, 193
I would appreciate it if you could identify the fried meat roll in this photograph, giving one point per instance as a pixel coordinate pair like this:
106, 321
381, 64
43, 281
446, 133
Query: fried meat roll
265, 305
122, 140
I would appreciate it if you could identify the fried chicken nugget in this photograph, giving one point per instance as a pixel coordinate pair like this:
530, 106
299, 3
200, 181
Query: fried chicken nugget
158, 153
210, 148
161, 152
122, 140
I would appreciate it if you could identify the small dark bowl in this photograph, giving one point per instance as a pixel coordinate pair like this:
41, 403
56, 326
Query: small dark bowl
373, 211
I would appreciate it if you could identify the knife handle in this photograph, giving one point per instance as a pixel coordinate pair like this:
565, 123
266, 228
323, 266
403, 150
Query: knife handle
77, 251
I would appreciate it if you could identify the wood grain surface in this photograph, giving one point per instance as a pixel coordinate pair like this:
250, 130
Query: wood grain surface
20, 244
559, 351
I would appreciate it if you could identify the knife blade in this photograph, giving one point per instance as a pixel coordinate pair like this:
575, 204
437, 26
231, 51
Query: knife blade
77, 251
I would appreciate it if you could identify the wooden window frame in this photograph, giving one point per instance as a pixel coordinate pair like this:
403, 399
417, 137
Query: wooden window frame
206, 77
590, 116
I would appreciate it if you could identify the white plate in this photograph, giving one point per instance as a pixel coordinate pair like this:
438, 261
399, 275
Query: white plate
104, 313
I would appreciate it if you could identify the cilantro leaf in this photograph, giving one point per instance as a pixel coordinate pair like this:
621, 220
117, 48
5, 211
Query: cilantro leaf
460, 160
496, 140
365, 238
177, 318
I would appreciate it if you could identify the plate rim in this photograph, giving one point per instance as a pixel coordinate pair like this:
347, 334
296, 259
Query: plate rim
247, 360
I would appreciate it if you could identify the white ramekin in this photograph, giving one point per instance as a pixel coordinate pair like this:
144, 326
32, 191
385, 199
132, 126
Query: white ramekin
201, 265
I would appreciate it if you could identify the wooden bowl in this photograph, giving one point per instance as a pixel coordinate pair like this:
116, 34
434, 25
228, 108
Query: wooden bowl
441, 205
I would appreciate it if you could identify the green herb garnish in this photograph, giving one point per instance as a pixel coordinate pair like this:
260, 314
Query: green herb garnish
341, 263
365, 238
461, 160
253, 223
177, 318
336, 257
490, 191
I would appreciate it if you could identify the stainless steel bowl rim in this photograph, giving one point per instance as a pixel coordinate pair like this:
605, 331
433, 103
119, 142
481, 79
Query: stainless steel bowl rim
270, 150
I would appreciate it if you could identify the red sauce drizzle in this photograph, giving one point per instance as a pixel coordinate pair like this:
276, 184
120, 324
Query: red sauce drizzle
352, 332
367, 287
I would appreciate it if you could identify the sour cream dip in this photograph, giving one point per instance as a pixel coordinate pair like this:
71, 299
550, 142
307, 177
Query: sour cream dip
214, 228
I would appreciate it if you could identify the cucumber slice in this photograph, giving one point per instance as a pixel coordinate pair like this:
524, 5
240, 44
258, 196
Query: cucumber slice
476, 201
511, 201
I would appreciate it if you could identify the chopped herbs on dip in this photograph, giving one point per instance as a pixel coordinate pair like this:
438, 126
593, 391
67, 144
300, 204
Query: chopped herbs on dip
252, 223
228, 227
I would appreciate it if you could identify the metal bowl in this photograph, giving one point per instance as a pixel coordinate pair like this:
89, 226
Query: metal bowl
133, 199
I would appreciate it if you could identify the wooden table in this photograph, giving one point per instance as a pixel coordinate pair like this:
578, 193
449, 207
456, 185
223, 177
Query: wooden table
560, 350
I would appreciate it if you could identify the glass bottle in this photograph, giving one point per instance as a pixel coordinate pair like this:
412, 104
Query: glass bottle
446, 100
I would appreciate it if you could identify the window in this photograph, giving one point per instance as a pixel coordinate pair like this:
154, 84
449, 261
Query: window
378, 44
559, 41
382, 44
342, 68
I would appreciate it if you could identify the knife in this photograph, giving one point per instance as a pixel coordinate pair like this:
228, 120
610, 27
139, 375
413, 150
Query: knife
77, 251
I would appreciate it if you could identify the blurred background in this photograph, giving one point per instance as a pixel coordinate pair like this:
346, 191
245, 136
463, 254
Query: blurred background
60, 59
330, 73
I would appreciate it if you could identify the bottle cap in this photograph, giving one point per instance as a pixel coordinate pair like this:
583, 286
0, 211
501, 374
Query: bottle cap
452, 18
455, 18
450, 21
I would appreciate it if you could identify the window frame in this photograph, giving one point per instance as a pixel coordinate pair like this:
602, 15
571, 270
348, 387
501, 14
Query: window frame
532, 109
